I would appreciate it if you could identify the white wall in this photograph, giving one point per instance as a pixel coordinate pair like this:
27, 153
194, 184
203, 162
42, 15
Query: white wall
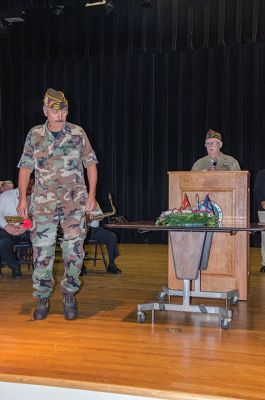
18, 391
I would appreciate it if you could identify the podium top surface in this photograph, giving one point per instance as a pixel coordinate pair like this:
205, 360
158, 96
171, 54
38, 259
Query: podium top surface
210, 172
146, 226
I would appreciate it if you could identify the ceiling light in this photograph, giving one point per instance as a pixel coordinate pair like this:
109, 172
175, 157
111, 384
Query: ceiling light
12, 16
11, 20
99, 7
95, 3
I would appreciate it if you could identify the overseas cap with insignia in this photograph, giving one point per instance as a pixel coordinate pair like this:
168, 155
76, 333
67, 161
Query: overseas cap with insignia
55, 99
211, 134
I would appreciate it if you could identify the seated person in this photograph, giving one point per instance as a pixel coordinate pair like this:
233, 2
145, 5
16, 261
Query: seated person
259, 195
7, 185
104, 236
11, 234
215, 160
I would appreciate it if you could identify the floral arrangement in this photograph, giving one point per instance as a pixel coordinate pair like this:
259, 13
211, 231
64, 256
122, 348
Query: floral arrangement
186, 215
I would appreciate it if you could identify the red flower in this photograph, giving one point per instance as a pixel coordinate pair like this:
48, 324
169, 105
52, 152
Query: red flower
27, 224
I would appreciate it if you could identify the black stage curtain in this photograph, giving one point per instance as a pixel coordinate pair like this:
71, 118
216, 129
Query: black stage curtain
146, 85
145, 114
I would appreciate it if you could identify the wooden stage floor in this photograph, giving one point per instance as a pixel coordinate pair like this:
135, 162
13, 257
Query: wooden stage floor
177, 357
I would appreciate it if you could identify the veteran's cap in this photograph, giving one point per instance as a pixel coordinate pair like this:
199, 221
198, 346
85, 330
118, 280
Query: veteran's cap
211, 134
55, 99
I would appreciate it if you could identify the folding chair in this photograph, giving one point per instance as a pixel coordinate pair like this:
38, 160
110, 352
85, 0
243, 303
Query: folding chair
23, 251
95, 257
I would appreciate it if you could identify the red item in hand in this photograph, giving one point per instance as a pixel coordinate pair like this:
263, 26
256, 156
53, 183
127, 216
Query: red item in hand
27, 224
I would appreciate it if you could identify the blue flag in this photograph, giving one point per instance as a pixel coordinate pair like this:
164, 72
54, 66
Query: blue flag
207, 204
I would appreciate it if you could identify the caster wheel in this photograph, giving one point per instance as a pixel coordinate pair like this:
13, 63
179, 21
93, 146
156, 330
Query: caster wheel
140, 317
225, 324
233, 300
161, 296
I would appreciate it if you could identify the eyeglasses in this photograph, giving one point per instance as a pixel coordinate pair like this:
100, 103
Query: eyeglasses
208, 144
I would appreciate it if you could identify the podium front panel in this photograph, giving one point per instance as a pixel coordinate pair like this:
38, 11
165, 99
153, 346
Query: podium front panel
229, 255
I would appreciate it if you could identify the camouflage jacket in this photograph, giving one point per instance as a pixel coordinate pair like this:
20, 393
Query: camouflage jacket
58, 163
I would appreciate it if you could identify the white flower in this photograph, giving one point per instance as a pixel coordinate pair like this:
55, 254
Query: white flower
186, 211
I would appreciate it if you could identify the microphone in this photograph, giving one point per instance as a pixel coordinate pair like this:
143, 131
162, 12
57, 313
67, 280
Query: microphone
214, 162
213, 166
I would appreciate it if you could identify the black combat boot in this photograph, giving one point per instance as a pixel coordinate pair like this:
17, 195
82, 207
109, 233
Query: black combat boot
42, 309
70, 307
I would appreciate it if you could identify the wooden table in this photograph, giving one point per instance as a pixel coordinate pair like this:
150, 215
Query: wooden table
190, 255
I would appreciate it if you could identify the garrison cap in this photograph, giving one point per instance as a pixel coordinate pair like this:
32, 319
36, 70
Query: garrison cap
55, 99
211, 134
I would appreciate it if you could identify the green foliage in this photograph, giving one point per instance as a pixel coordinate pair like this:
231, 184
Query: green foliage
179, 218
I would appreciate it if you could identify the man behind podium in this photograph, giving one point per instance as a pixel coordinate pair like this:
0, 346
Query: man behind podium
215, 160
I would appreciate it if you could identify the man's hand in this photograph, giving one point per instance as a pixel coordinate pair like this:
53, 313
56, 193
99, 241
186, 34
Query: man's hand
91, 203
22, 209
14, 229
212, 168
263, 204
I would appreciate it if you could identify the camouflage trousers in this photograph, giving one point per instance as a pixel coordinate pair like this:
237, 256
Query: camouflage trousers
43, 237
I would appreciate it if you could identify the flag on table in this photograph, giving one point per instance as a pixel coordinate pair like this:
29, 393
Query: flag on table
207, 204
186, 204
197, 202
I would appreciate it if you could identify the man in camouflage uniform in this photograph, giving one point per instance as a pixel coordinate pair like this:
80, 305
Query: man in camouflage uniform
57, 151
215, 160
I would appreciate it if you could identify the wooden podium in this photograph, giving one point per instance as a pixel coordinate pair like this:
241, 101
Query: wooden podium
229, 255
